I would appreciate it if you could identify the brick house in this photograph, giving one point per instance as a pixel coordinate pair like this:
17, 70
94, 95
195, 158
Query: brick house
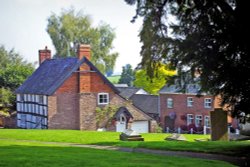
184, 110
64, 94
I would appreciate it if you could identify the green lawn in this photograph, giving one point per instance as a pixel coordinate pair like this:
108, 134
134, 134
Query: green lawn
152, 141
114, 79
30, 154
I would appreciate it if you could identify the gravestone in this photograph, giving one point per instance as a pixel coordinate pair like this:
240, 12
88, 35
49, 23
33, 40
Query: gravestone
131, 135
219, 126
176, 137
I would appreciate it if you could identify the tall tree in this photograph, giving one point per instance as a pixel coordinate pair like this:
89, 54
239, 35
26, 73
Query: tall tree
72, 28
127, 75
153, 85
13, 71
208, 36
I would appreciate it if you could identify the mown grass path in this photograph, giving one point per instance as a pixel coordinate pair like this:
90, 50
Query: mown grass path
239, 161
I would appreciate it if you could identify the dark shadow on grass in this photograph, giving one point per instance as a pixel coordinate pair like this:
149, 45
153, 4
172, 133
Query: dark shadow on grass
56, 156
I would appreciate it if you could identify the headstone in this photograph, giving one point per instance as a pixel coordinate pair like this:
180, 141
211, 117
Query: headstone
131, 135
219, 126
176, 137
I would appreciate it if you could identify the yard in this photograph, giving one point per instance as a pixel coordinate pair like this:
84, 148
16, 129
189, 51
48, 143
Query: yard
17, 148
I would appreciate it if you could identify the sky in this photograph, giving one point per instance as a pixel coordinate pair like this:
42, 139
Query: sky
23, 26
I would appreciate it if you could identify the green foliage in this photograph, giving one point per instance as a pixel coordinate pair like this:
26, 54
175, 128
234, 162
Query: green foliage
159, 129
76, 28
127, 75
7, 97
105, 115
114, 79
13, 71
208, 36
153, 85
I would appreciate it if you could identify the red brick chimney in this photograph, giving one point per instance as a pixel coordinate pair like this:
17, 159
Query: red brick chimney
44, 54
84, 51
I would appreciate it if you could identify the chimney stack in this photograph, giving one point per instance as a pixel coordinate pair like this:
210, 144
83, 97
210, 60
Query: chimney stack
44, 54
84, 51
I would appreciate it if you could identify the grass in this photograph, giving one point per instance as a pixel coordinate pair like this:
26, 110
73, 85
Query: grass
29, 154
114, 79
152, 141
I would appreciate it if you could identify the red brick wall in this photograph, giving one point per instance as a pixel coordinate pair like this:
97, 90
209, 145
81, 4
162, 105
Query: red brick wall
92, 82
70, 85
180, 108
63, 106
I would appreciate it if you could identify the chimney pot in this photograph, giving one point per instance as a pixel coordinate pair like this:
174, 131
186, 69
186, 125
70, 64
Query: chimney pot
84, 51
44, 54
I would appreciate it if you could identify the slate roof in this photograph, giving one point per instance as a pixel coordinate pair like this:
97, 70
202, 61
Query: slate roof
146, 103
127, 92
52, 73
189, 89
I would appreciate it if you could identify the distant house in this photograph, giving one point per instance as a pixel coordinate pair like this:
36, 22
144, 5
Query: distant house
141, 99
64, 94
184, 109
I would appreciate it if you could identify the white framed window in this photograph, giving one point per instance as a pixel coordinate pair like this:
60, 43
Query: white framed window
207, 121
103, 98
198, 120
208, 103
170, 103
190, 119
190, 101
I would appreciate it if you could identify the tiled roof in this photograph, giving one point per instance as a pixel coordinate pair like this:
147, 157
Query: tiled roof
189, 89
127, 92
146, 103
52, 73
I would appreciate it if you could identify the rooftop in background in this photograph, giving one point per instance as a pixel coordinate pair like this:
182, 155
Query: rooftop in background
128, 92
121, 85
147, 103
176, 89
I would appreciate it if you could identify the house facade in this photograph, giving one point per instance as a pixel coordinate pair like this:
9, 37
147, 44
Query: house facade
64, 94
184, 110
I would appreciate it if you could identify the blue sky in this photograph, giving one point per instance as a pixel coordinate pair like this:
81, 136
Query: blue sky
24, 22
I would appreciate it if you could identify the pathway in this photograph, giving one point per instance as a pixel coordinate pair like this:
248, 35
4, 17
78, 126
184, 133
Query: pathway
238, 161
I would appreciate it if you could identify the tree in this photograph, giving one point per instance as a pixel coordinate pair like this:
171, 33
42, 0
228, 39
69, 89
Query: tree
208, 36
127, 75
13, 71
153, 85
71, 28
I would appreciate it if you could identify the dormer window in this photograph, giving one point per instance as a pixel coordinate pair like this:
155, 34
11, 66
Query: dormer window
103, 98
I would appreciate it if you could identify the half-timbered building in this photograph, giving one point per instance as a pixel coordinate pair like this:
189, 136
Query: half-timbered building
64, 94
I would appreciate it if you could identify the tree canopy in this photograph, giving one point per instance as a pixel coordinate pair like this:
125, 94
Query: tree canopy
206, 36
127, 76
153, 85
71, 28
13, 71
